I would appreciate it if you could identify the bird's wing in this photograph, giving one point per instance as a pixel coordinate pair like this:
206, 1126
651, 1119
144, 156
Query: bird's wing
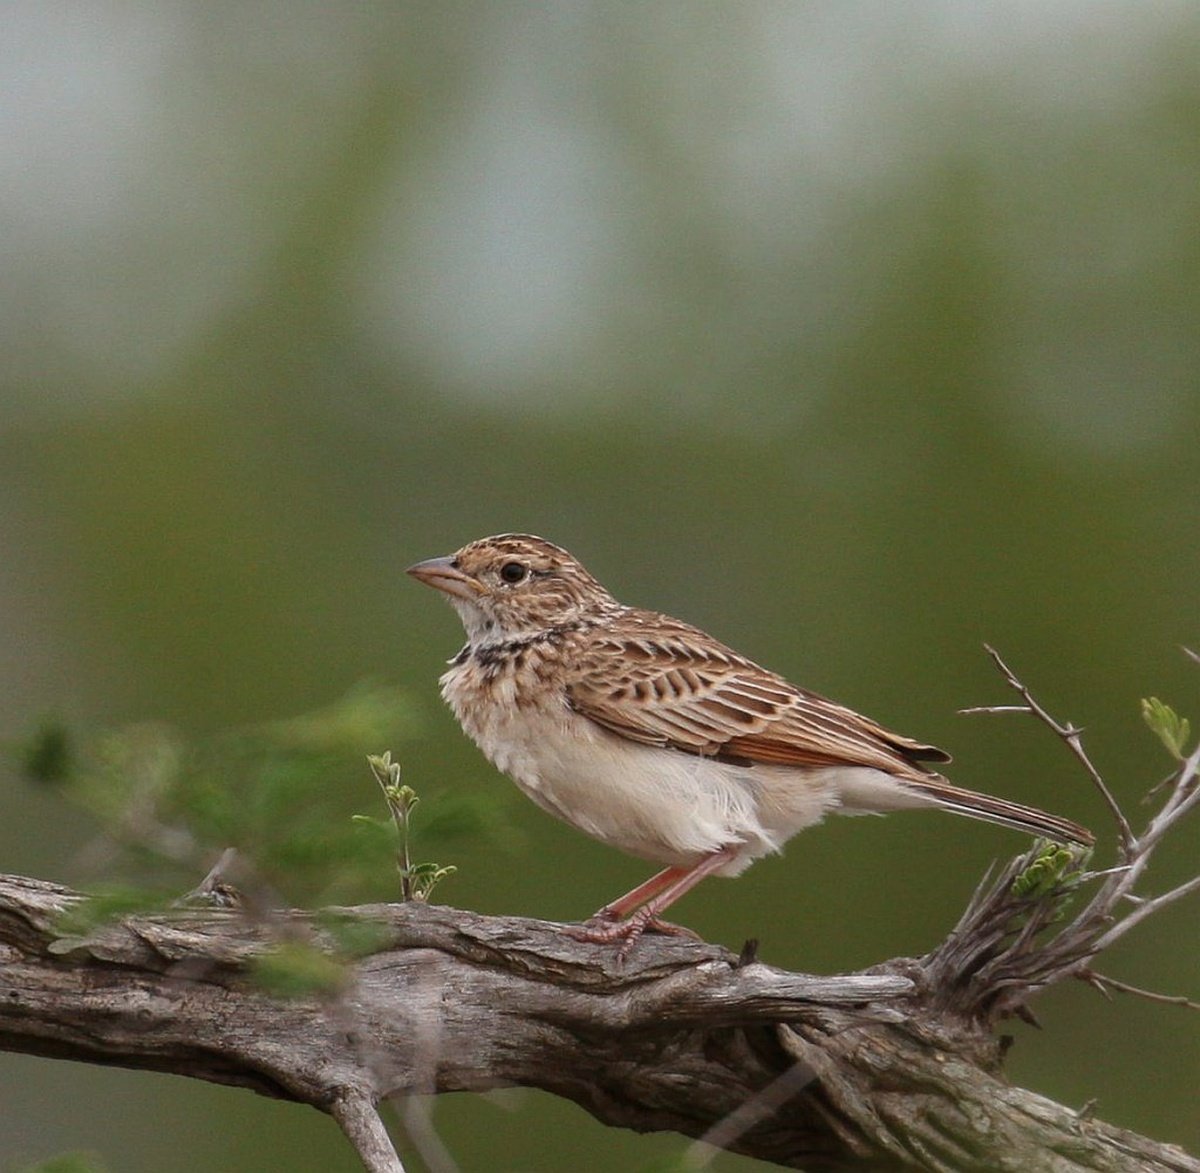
662, 683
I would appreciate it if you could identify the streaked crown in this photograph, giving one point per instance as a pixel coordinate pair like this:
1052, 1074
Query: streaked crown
512, 585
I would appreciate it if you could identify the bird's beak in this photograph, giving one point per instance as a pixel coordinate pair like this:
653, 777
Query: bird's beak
443, 575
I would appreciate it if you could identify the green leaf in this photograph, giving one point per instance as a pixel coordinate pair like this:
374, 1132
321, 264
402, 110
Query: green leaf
1170, 728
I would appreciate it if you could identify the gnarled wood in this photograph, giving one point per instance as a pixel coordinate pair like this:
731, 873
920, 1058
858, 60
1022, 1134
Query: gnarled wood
886, 1070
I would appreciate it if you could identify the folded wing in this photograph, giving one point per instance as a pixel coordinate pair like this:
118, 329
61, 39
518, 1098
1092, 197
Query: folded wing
681, 689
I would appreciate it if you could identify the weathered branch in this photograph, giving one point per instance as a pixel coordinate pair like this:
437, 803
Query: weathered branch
896, 1068
890, 1069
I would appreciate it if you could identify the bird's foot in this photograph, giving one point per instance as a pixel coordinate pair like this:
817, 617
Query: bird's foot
668, 929
604, 928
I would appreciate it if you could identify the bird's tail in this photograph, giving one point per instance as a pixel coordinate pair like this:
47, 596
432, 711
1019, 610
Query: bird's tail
870, 790
942, 795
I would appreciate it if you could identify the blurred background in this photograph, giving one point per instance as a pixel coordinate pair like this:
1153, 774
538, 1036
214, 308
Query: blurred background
857, 334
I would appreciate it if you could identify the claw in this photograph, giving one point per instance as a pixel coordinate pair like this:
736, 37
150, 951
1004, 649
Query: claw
601, 929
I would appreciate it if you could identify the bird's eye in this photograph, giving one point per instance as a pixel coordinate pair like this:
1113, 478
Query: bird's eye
512, 572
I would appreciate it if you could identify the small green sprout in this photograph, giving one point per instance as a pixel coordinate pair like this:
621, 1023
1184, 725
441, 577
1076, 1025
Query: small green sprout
1051, 869
1170, 728
417, 880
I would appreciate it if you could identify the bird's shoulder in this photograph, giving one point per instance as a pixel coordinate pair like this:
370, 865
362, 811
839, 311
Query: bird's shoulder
648, 641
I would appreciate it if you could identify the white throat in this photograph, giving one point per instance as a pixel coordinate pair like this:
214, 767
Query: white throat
483, 630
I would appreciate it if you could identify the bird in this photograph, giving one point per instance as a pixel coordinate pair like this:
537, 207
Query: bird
653, 737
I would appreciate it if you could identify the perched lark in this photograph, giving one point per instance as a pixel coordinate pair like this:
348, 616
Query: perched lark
651, 736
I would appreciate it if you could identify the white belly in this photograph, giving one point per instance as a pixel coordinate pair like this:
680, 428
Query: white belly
670, 807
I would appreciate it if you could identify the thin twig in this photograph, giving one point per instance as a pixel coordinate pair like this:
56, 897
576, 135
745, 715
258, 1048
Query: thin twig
1104, 983
1184, 796
416, 1110
753, 1111
992, 948
993, 943
1159, 787
974, 709
1145, 909
1118, 869
356, 1113
417, 1115
1071, 736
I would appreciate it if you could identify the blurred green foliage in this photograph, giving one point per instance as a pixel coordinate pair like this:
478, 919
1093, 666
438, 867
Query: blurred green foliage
46, 754
68, 1163
856, 334
295, 969
277, 792
106, 902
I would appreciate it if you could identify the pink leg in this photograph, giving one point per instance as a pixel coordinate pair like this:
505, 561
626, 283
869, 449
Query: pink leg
669, 889
624, 905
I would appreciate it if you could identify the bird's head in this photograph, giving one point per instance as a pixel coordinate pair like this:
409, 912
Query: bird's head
514, 585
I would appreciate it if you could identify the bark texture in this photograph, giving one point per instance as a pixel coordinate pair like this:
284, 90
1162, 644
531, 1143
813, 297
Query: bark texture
892, 1069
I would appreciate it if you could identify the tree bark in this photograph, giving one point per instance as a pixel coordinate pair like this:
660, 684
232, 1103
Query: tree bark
895, 1068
